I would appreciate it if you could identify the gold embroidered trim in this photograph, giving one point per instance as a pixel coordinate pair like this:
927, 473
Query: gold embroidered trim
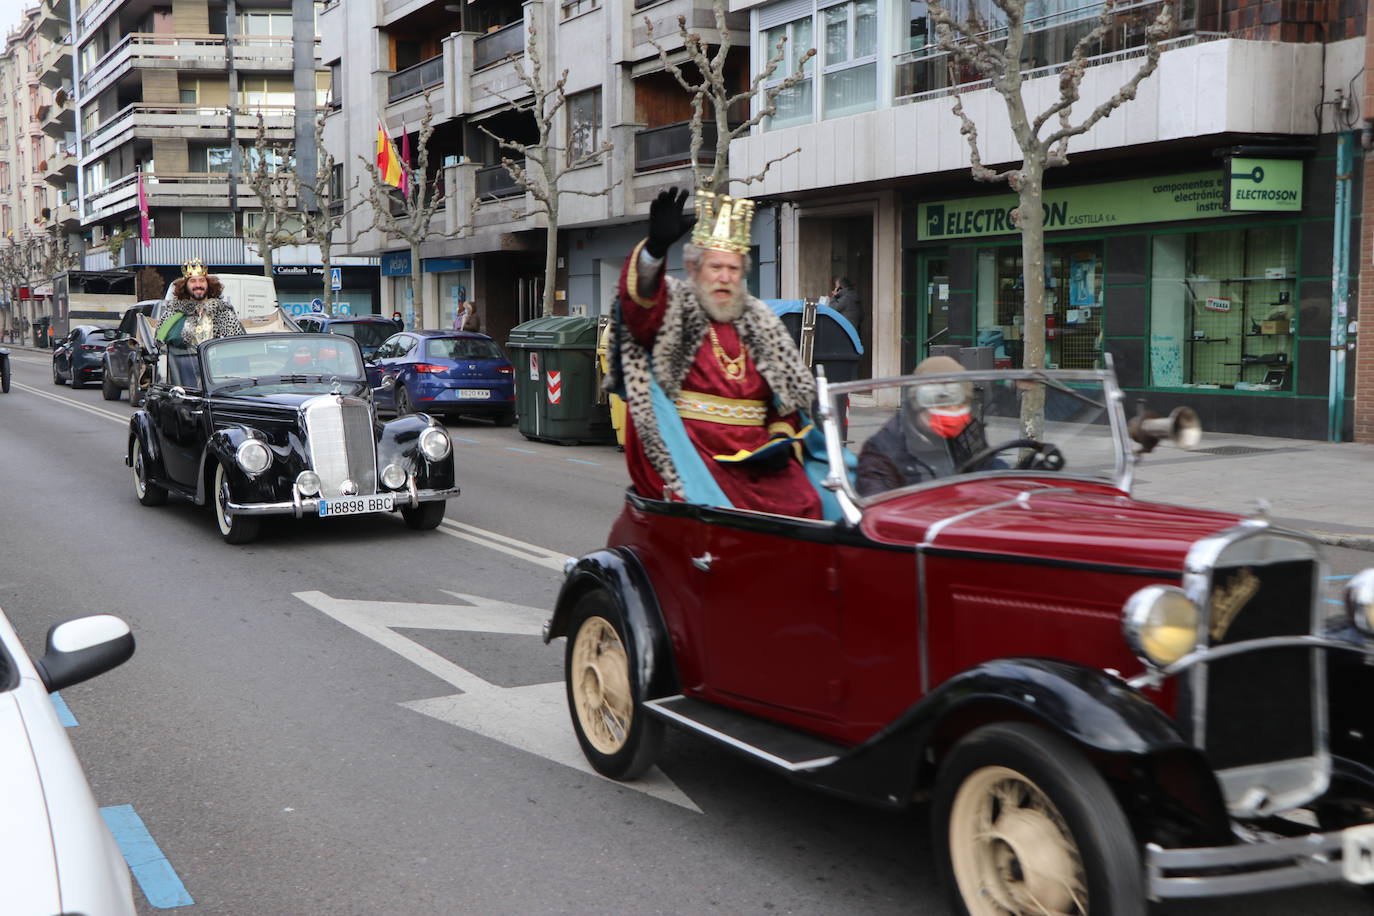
632, 278
693, 405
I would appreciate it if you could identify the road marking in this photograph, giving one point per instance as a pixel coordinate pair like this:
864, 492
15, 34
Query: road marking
540, 556
595, 464
462, 439
104, 414
1333, 578
531, 718
64, 713
148, 865
527, 451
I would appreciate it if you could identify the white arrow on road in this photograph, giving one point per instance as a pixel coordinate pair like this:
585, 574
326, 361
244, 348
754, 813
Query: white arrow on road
532, 718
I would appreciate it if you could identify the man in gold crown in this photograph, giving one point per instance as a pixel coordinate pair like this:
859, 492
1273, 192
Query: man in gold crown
713, 380
196, 297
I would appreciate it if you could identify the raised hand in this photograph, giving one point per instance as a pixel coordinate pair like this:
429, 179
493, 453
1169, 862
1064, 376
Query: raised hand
667, 223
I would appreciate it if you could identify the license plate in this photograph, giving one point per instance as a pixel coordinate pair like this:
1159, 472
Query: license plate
356, 505
1357, 854
474, 394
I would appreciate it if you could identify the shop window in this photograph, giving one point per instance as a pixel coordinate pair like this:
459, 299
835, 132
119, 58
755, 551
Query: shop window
1073, 305
1222, 309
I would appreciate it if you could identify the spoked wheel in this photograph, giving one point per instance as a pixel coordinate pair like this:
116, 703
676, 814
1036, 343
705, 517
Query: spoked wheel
618, 738
1025, 826
236, 529
148, 493
403, 405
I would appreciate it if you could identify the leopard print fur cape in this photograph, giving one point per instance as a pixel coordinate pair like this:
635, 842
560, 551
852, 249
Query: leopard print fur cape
683, 333
223, 321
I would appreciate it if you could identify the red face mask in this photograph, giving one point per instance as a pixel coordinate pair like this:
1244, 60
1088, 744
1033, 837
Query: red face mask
948, 422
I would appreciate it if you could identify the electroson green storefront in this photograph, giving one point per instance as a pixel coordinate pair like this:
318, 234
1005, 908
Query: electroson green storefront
1209, 287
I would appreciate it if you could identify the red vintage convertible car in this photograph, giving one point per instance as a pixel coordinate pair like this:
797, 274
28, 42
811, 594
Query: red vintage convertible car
1105, 700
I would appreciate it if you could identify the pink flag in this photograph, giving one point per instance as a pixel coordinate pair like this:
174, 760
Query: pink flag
405, 165
144, 234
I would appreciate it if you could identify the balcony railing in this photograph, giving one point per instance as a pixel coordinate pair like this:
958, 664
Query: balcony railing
494, 47
671, 144
203, 51
495, 181
1049, 43
187, 117
416, 79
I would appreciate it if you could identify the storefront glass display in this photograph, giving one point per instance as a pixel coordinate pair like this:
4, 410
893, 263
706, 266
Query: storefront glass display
1073, 304
1222, 309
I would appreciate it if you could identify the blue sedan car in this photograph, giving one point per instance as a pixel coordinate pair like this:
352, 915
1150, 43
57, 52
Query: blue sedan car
449, 373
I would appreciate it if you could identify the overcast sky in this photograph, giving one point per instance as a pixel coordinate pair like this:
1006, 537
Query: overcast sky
10, 11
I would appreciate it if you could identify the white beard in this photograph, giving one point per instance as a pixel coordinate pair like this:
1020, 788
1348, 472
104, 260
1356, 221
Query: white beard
724, 312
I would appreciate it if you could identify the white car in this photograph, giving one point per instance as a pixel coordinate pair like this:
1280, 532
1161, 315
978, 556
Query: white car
56, 854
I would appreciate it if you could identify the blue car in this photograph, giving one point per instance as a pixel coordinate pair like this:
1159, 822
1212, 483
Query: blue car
370, 331
449, 373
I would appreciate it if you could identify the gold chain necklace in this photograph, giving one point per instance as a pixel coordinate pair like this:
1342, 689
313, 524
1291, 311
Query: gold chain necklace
733, 367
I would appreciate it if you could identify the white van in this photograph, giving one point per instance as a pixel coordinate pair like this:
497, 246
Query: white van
252, 296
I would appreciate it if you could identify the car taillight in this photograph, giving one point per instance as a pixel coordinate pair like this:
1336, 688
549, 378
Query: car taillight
92, 347
430, 367
110, 348
505, 370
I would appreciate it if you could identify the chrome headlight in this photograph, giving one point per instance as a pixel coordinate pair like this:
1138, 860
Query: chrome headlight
253, 456
394, 476
308, 482
1160, 624
434, 443
1359, 601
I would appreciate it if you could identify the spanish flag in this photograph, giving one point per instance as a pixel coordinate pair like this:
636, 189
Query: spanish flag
388, 163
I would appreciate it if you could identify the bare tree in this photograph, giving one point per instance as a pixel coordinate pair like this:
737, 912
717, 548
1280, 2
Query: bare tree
712, 95
542, 165
324, 206
272, 176
409, 216
996, 55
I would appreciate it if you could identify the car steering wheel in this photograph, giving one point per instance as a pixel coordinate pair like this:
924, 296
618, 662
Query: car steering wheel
1043, 456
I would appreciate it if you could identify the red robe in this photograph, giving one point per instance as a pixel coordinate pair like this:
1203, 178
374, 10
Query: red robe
786, 491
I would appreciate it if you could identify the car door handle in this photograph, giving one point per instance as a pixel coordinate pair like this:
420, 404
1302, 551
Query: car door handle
704, 561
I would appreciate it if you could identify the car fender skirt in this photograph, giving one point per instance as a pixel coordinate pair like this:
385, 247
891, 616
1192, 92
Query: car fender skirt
617, 573
1164, 783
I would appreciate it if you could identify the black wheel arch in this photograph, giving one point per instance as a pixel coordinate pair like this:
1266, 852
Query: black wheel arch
1165, 785
141, 435
617, 572
398, 442
272, 485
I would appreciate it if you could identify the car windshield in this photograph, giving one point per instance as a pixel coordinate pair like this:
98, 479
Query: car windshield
282, 359
462, 348
366, 333
913, 430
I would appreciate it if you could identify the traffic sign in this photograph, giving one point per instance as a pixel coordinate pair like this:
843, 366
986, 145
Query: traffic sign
336, 278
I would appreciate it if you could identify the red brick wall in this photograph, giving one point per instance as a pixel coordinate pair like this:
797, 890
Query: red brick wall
1364, 305
1285, 20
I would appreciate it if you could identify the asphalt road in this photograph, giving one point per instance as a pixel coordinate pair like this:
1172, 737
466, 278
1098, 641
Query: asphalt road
349, 717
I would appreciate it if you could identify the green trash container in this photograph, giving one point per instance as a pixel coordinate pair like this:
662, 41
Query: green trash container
557, 379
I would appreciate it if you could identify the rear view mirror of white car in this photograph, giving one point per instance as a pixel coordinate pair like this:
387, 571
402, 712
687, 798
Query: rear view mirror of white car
81, 649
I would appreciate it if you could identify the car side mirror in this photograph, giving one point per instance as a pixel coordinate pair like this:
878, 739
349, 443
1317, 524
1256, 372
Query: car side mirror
80, 649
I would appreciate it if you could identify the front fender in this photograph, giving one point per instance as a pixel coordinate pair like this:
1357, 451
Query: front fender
1165, 785
398, 442
246, 488
617, 572
141, 434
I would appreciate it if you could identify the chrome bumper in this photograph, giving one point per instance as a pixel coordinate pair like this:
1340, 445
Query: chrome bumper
1267, 865
303, 505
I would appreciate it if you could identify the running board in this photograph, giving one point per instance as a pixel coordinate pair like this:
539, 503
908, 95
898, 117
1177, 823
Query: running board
773, 744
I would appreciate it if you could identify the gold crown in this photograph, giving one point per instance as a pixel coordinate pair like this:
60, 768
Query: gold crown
194, 268
723, 222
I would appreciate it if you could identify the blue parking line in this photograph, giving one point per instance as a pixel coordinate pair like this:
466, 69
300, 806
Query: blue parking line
1333, 578
461, 439
64, 713
149, 866
1334, 601
527, 451
595, 464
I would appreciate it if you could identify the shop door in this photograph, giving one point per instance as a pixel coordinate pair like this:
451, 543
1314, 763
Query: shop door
932, 319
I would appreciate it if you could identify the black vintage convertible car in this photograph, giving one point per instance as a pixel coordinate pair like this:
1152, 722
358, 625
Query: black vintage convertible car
282, 424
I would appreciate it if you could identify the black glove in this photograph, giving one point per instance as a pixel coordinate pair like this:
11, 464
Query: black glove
667, 223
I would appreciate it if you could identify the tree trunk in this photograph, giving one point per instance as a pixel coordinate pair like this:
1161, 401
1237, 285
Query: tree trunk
417, 288
265, 250
327, 294
550, 258
1031, 221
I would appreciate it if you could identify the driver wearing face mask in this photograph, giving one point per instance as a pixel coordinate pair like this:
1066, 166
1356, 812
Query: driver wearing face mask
933, 434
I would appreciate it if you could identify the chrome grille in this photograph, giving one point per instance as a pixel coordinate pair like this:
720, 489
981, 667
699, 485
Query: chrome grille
338, 433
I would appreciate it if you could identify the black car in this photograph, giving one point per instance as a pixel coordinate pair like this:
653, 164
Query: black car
79, 357
370, 331
282, 424
122, 358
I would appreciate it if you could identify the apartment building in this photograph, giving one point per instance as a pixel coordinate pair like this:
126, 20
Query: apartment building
170, 96
385, 56
1191, 239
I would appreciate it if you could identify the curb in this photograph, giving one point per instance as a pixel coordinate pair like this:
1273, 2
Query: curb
1348, 541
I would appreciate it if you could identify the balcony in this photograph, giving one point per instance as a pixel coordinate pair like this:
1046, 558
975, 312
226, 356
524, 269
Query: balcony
671, 145
192, 190
55, 67
186, 121
52, 21
263, 53
494, 181
66, 215
61, 167
59, 121
94, 15
700, 18
498, 45
144, 50
414, 80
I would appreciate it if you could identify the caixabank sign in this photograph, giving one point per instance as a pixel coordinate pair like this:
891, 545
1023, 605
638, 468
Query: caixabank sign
1191, 195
